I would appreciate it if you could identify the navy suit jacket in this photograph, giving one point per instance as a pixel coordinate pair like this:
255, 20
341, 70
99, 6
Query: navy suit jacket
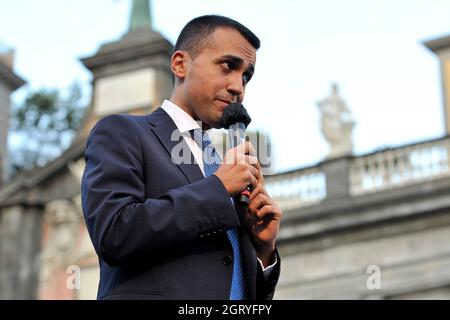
158, 227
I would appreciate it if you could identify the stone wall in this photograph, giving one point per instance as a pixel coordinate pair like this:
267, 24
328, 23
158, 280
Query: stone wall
20, 238
411, 260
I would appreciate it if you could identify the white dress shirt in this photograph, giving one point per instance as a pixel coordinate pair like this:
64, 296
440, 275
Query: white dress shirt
185, 123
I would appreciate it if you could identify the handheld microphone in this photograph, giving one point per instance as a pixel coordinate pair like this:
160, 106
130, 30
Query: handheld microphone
236, 119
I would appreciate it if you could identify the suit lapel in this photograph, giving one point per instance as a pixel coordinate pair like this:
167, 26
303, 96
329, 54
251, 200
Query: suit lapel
163, 127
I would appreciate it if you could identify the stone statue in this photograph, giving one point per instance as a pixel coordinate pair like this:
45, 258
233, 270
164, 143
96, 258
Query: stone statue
66, 244
337, 125
62, 221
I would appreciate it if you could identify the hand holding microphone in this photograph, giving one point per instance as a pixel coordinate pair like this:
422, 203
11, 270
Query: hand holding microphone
260, 216
239, 171
242, 155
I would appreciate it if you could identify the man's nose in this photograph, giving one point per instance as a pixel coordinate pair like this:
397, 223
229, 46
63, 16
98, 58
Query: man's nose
236, 87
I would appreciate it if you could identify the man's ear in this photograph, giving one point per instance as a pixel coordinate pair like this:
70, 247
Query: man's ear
179, 64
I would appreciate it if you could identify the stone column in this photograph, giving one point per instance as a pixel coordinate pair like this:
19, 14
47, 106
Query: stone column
337, 172
20, 235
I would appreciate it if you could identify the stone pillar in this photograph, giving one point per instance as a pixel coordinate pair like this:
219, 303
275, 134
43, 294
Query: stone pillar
441, 47
20, 235
337, 172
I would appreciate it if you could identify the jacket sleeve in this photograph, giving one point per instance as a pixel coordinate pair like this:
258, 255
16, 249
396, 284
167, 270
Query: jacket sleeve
265, 288
122, 223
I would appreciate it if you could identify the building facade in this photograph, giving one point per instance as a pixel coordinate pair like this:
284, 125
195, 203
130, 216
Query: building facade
45, 250
376, 226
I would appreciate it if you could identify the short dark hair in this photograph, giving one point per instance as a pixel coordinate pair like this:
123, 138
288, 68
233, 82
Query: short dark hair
193, 35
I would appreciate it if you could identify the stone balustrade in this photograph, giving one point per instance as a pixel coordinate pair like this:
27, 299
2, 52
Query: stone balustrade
400, 167
379, 171
296, 189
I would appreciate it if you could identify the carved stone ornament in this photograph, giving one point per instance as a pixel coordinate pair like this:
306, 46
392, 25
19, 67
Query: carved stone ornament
62, 220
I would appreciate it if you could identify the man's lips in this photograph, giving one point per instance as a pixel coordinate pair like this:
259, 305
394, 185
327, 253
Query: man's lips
227, 102
222, 104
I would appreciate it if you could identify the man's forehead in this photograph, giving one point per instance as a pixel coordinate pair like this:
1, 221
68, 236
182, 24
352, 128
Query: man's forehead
229, 42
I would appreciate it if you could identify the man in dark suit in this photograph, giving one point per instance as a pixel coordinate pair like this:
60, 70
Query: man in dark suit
169, 229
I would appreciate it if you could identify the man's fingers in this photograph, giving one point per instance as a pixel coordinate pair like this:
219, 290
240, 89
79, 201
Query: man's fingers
255, 172
258, 201
251, 149
246, 148
252, 160
269, 211
253, 178
248, 159
233, 156
257, 190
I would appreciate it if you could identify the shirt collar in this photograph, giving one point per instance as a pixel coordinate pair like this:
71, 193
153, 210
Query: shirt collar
182, 119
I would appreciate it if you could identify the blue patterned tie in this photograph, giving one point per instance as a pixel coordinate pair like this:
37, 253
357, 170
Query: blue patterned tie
212, 162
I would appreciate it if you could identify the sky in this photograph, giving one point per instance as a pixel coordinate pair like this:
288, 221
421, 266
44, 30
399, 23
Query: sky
372, 49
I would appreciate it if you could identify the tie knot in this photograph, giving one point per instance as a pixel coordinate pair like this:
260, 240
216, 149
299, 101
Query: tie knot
210, 156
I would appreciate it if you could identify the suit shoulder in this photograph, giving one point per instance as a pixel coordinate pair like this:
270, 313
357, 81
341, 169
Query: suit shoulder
120, 118
119, 121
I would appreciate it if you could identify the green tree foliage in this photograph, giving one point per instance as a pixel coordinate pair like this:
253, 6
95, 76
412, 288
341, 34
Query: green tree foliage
43, 126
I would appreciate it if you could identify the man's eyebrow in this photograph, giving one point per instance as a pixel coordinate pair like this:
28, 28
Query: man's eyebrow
238, 61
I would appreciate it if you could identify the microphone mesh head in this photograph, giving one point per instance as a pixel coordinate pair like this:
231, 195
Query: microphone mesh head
234, 113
